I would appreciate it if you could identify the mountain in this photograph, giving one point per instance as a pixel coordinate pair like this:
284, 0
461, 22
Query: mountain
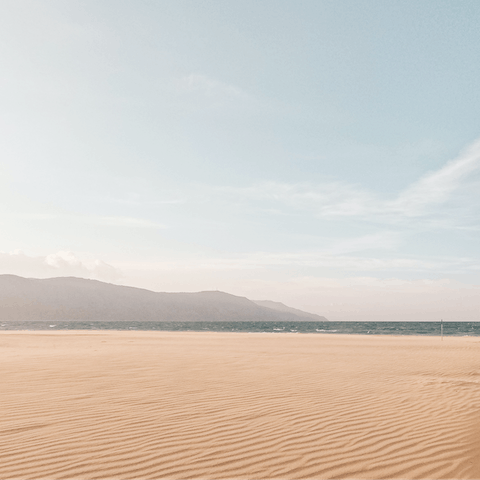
77, 299
280, 307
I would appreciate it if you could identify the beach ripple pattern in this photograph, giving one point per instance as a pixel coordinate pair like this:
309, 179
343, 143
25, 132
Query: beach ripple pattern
180, 405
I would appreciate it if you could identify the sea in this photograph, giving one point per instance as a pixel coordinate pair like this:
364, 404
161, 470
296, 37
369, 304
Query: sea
457, 329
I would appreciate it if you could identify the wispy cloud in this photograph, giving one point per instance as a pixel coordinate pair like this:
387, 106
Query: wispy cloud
128, 222
384, 240
265, 261
327, 199
201, 92
197, 83
108, 221
427, 199
139, 201
437, 188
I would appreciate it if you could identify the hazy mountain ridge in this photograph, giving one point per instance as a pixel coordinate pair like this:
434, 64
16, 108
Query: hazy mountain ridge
281, 307
71, 298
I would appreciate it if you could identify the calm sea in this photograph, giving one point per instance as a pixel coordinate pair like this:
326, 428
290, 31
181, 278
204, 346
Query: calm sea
347, 328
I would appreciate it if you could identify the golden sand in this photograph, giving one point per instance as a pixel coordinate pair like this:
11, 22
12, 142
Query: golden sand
138, 405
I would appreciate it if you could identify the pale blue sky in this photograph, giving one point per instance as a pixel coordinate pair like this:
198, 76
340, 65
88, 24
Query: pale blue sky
274, 149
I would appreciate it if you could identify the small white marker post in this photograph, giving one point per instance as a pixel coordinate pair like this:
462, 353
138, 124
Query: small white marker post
441, 328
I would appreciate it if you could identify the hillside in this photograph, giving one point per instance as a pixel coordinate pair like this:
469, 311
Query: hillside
71, 298
280, 307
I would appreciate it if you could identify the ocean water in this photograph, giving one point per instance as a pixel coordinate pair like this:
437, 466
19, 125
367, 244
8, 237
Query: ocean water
346, 328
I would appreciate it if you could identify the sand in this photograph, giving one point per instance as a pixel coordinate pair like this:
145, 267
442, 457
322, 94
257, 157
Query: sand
138, 405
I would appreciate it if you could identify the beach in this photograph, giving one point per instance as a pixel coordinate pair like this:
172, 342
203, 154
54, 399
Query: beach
183, 405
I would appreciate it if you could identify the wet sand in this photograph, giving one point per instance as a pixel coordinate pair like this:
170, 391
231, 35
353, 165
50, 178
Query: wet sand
138, 405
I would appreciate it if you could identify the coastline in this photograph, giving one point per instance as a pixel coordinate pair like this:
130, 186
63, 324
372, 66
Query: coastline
141, 404
450, 328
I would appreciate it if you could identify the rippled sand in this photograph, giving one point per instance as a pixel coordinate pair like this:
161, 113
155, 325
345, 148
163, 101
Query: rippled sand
135, 405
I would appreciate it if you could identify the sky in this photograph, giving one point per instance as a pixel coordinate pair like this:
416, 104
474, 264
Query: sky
321, 153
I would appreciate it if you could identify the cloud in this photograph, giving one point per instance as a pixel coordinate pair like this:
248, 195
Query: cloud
327, 199
197, 92
432, 199
108, 221
333, 259
127, 222
196, 83
344, 262
436, 188
382, 283
60, 264
63, 259
386, 240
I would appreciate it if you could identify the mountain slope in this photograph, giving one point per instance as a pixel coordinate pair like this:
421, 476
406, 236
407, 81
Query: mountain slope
280, 307
70, 298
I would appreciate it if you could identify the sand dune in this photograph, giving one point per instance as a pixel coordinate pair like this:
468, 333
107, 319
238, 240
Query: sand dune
138, 405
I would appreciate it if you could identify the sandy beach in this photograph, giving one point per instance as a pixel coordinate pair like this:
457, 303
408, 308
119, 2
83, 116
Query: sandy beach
138, 405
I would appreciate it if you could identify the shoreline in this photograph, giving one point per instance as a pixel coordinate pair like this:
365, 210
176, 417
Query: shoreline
228, 333
433, 329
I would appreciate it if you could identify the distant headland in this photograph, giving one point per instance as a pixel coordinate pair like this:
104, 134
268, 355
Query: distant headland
76, 299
